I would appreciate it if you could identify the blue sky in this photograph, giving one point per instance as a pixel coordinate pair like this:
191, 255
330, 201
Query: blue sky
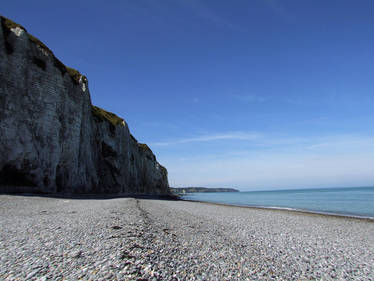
252, 94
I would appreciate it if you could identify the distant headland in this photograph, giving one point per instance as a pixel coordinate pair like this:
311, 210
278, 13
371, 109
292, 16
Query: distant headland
182, 190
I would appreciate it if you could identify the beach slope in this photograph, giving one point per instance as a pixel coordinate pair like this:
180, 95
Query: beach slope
127, 239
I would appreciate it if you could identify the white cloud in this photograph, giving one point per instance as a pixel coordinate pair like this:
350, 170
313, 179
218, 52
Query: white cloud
297, 162
343, 143
271, 171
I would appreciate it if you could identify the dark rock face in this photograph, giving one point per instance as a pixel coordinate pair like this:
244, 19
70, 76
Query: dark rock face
51, 137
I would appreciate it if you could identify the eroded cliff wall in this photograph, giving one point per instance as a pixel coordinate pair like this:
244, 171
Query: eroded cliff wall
51, 137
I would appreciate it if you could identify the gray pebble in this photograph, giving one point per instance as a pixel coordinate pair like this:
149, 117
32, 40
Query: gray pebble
176, 240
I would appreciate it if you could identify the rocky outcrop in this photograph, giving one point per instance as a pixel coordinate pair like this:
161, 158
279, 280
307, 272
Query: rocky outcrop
51, 137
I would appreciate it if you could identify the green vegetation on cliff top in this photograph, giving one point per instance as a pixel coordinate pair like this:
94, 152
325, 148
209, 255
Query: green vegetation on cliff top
10, 24
145, 149
74, 74
39, 43
143, 146
107, 116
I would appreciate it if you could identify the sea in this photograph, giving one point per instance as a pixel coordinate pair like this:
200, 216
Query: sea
347, 201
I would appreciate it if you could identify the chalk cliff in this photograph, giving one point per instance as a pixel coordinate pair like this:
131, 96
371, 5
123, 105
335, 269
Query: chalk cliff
52, 139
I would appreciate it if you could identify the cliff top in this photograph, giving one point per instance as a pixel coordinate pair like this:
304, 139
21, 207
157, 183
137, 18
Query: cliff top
107, 116
75, 75
11, 26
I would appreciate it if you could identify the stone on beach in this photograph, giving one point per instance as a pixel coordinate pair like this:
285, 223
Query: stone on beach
176, 240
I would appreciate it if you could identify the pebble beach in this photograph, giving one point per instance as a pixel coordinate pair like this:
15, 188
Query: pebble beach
45, 238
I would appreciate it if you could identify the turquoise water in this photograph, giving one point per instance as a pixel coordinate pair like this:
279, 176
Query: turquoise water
353, 201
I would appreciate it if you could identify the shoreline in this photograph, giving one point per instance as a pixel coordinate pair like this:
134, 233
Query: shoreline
178, 197
50, 238
286, 209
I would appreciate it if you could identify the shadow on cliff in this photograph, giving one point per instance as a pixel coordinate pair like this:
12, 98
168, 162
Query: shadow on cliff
168, 197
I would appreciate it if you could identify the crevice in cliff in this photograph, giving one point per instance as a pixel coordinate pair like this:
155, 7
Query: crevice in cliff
107, 150
40, 63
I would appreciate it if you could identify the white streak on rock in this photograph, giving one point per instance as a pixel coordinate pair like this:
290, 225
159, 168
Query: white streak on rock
17, 31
